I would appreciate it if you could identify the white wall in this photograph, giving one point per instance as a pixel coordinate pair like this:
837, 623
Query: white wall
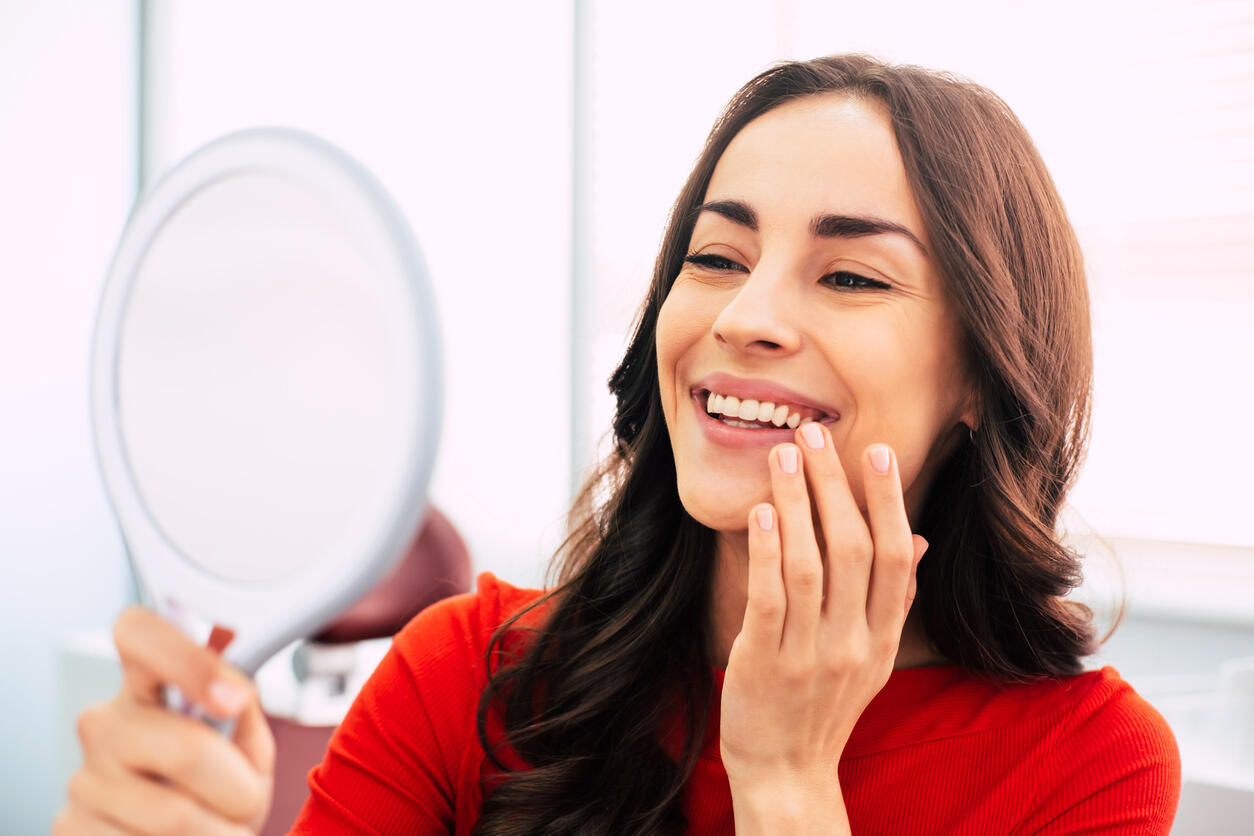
67, 114
463, 112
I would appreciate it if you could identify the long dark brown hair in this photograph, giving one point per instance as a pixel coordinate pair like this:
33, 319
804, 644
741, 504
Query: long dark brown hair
622, 644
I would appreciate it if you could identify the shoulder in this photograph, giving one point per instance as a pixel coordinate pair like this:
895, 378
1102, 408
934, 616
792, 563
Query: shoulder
457, 629
407, 755
1111, 754
1103, 715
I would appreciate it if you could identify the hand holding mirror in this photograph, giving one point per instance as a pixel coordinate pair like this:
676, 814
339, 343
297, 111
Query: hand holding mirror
265, 389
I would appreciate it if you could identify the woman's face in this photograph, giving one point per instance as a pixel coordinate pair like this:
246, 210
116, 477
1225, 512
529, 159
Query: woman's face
809, 285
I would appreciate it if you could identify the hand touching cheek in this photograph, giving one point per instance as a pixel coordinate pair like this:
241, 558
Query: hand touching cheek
821, 627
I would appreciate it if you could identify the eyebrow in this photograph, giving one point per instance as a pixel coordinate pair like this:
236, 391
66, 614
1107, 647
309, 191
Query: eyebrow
821, 226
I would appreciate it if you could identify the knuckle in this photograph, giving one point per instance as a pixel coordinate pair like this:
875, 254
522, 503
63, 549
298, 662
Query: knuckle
128, 624
176, 815
854, 543
849, 544
255, 800
794, 673
90, 724
843, 659
183, 759
884, 645
246, 801
767, 608
807, 576
76, 790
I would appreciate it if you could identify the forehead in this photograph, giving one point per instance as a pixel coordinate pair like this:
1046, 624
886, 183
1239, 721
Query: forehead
828, 153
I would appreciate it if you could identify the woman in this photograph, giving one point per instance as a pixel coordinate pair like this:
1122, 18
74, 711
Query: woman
867, 338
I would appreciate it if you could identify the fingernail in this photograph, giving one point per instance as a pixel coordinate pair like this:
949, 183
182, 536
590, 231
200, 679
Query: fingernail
765, 519
788, 458
227, 697
880, 458
812, 434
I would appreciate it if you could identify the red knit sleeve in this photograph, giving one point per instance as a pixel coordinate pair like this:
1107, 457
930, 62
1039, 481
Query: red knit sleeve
392, 766
1115, 770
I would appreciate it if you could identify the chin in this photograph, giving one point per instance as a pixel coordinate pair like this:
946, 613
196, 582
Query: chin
722, 507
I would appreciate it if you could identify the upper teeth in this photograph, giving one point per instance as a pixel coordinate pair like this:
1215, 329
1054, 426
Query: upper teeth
751, 410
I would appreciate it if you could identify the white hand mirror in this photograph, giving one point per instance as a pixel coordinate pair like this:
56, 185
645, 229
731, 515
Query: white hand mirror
265, 389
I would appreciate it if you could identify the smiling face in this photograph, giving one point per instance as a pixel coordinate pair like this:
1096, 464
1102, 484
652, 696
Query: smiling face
808, 284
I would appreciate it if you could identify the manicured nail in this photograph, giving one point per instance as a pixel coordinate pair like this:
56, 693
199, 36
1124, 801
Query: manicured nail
812, 433
880, 458
227, 697
788, 458
766, 519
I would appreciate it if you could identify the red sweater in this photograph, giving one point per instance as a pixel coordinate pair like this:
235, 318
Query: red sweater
936, 751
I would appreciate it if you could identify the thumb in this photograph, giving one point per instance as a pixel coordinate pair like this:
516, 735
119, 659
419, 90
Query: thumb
920, 546
254, 738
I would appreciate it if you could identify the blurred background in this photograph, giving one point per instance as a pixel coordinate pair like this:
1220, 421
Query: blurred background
536, 149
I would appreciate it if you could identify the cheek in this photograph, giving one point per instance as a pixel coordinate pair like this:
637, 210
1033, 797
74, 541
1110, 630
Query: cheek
903, 383
680, 325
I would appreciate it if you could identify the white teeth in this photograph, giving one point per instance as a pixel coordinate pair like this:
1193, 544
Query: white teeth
753, 410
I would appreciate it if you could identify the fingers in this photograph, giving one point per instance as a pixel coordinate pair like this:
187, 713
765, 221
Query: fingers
893, 564
845, 536
147, 769
870, 572
122, 738
801, 562
136, 804
920, 546
155, 652
764, 611
73, 820
254, 738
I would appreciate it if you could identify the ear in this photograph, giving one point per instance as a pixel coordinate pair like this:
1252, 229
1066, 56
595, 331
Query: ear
971, 409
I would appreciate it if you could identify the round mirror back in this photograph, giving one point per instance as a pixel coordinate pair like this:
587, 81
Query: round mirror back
258, 377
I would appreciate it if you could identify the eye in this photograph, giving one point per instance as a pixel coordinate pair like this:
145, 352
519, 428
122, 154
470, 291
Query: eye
713, 262
842, 279
852, 281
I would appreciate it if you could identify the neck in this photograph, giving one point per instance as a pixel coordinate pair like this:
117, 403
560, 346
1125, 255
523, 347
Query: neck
729, 590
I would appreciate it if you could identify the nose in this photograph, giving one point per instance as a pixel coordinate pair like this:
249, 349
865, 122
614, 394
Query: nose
761, 317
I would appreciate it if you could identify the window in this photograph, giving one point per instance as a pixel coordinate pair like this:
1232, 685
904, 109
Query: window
1144, 113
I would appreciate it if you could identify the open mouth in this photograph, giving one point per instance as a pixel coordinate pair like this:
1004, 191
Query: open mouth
751, 414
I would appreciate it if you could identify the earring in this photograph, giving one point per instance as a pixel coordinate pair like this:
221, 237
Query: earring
970, 435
